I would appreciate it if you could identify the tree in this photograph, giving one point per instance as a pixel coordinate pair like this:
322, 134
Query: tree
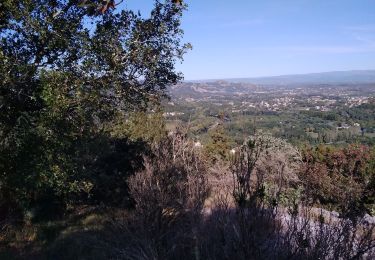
219, 144
68, 71
149, 127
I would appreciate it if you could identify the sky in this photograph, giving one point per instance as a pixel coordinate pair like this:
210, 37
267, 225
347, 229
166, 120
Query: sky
255, 38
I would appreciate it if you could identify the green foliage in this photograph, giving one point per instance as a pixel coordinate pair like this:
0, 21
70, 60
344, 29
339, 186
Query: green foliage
219, 144
149, 127
68, 72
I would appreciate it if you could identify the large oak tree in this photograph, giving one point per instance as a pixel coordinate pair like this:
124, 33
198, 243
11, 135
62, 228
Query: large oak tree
68, 69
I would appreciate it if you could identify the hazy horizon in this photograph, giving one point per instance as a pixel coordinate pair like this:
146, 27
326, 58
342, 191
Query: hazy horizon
282, 75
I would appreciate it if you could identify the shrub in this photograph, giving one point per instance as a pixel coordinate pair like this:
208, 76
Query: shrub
339, 177
169, 196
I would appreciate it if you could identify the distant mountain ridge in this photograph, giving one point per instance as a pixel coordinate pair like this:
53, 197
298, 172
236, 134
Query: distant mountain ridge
333, 77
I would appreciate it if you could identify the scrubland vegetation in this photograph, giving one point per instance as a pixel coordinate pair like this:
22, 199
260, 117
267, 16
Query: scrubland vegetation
88, 169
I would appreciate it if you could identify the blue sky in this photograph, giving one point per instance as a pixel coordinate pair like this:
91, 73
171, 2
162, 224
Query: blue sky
252, 38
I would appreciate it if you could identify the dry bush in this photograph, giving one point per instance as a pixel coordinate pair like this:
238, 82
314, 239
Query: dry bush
326, 237
249, 229
277, 168
259, 228
168, 221
276, 233
264, 166
169, 196
239, 233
